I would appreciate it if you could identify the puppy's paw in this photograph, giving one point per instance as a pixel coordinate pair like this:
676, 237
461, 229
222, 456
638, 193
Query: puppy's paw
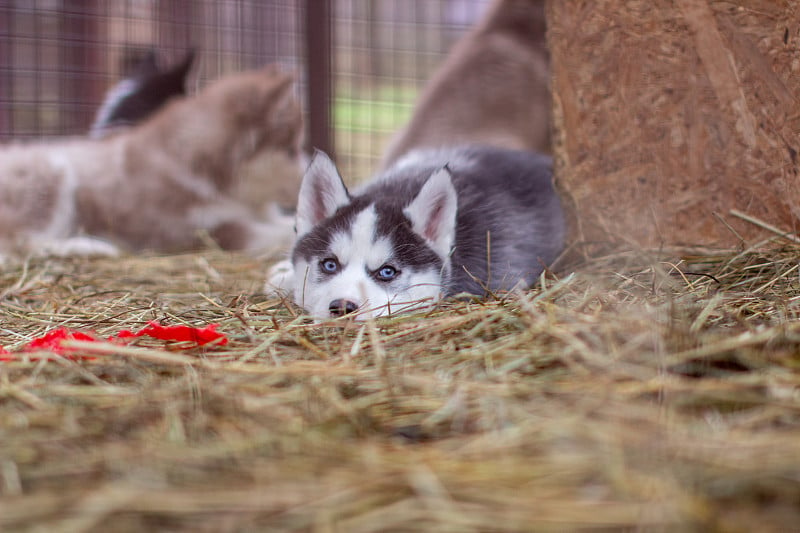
280, 279
77, 246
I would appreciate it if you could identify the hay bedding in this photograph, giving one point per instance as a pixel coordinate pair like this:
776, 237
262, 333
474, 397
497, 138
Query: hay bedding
630, 393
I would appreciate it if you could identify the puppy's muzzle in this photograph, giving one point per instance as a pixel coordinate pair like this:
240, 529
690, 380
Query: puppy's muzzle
340, 307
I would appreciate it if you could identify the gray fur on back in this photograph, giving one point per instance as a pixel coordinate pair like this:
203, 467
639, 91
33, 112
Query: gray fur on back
505, 198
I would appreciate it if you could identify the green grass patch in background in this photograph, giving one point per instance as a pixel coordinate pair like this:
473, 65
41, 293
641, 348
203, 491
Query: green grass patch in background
384, 108
365, 118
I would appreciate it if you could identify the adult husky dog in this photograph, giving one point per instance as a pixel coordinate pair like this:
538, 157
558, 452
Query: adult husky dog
470, 219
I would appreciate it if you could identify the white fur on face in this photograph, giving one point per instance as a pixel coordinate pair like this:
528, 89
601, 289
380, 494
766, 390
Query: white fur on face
360, 252
360, 244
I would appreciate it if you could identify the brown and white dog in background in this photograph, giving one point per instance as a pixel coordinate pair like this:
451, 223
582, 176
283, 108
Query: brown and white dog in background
207, 166
493, 88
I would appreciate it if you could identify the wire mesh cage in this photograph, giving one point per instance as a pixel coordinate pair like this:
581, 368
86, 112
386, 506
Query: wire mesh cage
384, 52
59, 57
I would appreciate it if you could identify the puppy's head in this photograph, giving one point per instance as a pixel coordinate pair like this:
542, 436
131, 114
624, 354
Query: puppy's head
145, 89
240, 128
370, 257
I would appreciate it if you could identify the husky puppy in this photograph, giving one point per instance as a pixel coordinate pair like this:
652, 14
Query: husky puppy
470, 219
203, 167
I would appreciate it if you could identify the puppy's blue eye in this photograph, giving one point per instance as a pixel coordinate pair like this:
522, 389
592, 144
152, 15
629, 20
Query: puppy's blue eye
329, 265
386, 273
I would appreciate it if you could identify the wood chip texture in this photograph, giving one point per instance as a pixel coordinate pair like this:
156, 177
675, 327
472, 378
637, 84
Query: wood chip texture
671, 115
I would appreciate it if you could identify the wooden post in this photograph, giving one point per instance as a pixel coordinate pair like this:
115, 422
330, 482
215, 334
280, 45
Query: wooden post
318, 34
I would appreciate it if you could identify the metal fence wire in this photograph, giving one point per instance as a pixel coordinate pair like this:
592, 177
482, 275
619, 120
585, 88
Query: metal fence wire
59, 57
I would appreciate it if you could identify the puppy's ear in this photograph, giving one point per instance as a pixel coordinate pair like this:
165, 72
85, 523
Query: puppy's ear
145, 90
321, 193
433, 212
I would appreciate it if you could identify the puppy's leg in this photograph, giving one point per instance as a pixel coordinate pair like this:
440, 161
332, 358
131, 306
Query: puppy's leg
280, 279
232, 227
74, 246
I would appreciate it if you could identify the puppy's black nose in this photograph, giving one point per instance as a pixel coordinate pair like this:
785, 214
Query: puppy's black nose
342, 307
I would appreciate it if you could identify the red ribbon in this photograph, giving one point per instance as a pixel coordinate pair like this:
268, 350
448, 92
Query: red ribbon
53, 340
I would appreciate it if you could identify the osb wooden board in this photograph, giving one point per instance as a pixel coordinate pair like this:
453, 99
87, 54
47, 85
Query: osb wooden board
675, 119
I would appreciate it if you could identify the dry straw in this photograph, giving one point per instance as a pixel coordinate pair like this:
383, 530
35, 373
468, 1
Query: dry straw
655, 392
